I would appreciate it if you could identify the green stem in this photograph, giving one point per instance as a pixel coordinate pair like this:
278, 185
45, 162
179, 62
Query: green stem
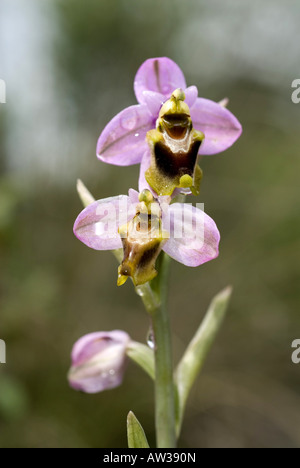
164, 386
154, 297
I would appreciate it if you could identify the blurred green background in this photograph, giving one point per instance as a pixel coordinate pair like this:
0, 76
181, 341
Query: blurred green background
69, 68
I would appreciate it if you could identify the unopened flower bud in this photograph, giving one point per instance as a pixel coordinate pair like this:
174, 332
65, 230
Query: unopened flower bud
98, 361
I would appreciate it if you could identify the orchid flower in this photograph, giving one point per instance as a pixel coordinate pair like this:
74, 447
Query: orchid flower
98, 361
143, 226
123, 140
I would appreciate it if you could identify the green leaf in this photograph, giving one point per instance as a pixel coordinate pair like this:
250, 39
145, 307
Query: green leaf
135, 433
143, 356
196, 352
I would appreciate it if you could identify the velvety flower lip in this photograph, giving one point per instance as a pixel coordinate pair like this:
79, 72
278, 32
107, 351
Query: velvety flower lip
193, 236
174, 145
143, 184
98, 361
122, 141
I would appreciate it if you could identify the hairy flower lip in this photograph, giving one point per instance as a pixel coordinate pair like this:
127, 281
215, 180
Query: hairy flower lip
122, 141
142, 239
174, 146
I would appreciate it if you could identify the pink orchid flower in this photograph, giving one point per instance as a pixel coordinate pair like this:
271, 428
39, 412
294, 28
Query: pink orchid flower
123, 140
184, 232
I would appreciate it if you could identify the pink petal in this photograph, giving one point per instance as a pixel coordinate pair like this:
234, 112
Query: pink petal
145, 164
133, 196
220, 127
153, 101
97, 225
93, 343
191, 94
194, 236
161, 75
122, 141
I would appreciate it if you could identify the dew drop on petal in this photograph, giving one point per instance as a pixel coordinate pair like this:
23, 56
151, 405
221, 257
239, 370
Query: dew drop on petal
112, 372
129, 121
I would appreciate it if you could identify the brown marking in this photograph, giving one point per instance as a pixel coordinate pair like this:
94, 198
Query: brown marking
156, 71
173, 165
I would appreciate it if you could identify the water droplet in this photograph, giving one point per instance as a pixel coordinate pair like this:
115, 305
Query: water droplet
150, 339
129, 121
140, 291
136, 134
112, 372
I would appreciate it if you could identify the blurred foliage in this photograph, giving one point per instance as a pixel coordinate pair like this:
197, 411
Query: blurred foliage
54, 289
